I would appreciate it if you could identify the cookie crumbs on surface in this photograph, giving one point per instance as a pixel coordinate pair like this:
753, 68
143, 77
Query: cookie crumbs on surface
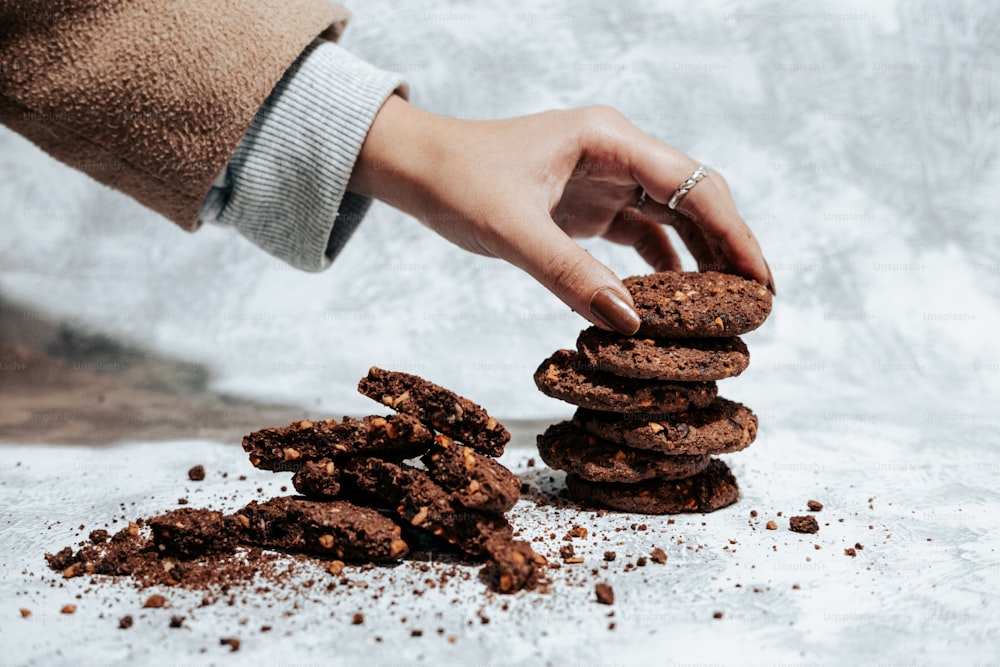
25, 613
358, 619
771, 525
125, 622
850, 552
658, 556
640, 561
814, 505
803, 524
858, 546
605, 594
68, 609
610, 556
197, 473
176, 621
753, 514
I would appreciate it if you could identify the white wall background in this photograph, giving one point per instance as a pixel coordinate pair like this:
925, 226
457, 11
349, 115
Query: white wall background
860, 139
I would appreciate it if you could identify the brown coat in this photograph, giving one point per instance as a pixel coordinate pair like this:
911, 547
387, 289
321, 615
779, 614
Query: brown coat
150, 97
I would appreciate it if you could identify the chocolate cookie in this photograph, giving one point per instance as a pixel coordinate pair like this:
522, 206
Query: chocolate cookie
723, 427
437, 407
191, 533
566, 377
712, 489
475, 480
422, 503
676, 304
564, 446
396, 436
338, 529
317, 479
513, 564
680, 360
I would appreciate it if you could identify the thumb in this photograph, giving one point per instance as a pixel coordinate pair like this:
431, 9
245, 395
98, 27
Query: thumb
572, 274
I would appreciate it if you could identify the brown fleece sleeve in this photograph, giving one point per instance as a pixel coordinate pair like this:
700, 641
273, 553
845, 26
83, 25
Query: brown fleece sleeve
147, 96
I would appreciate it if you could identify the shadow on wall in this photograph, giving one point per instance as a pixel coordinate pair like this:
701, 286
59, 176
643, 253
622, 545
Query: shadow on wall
61, 384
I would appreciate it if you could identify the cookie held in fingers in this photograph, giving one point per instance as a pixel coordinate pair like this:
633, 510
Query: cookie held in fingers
476, 481
679, 360
711, 489
566, 377
337, 529
723, 427
395, 436
437, 407
564, 446
682, 304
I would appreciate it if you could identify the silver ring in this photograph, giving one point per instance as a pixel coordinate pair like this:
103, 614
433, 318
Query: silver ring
699, 173
642, 200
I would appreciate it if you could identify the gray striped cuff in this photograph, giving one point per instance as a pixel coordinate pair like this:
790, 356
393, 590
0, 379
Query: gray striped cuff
285, 187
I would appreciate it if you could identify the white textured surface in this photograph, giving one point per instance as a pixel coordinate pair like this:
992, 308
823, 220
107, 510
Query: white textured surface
861, 142
903, 600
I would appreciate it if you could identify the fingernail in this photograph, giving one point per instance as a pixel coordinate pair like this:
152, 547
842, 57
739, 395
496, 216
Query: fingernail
770, 279
614, 312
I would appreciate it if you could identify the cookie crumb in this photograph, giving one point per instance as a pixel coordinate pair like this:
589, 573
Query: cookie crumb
814, 505
176, 621
850, 552
771, 525
605, 594
232, 642
358, 619
753, 514
859, 546
154, 601
68, 609
717, 614
125, 622
610, 556
658, 556
803, 524
197, 473
640, 561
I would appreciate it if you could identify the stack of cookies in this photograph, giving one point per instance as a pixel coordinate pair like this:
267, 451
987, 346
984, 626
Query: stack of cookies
649, 419
360, 501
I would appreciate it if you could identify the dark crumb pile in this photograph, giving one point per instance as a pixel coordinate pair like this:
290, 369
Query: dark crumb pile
361, 504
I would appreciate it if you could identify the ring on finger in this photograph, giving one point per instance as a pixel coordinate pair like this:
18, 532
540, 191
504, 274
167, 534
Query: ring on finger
699, 173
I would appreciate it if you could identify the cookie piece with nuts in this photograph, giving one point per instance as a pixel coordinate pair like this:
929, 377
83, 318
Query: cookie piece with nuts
191, 533
422, 504
437, 407
565, 446
317, 479
723, 427
337, 529
476, 481
682, 304
679, 360
513, 565
713, 488
566, 377
396, 436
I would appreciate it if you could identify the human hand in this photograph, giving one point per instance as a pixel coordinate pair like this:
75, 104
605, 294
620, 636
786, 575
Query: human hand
519, 189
